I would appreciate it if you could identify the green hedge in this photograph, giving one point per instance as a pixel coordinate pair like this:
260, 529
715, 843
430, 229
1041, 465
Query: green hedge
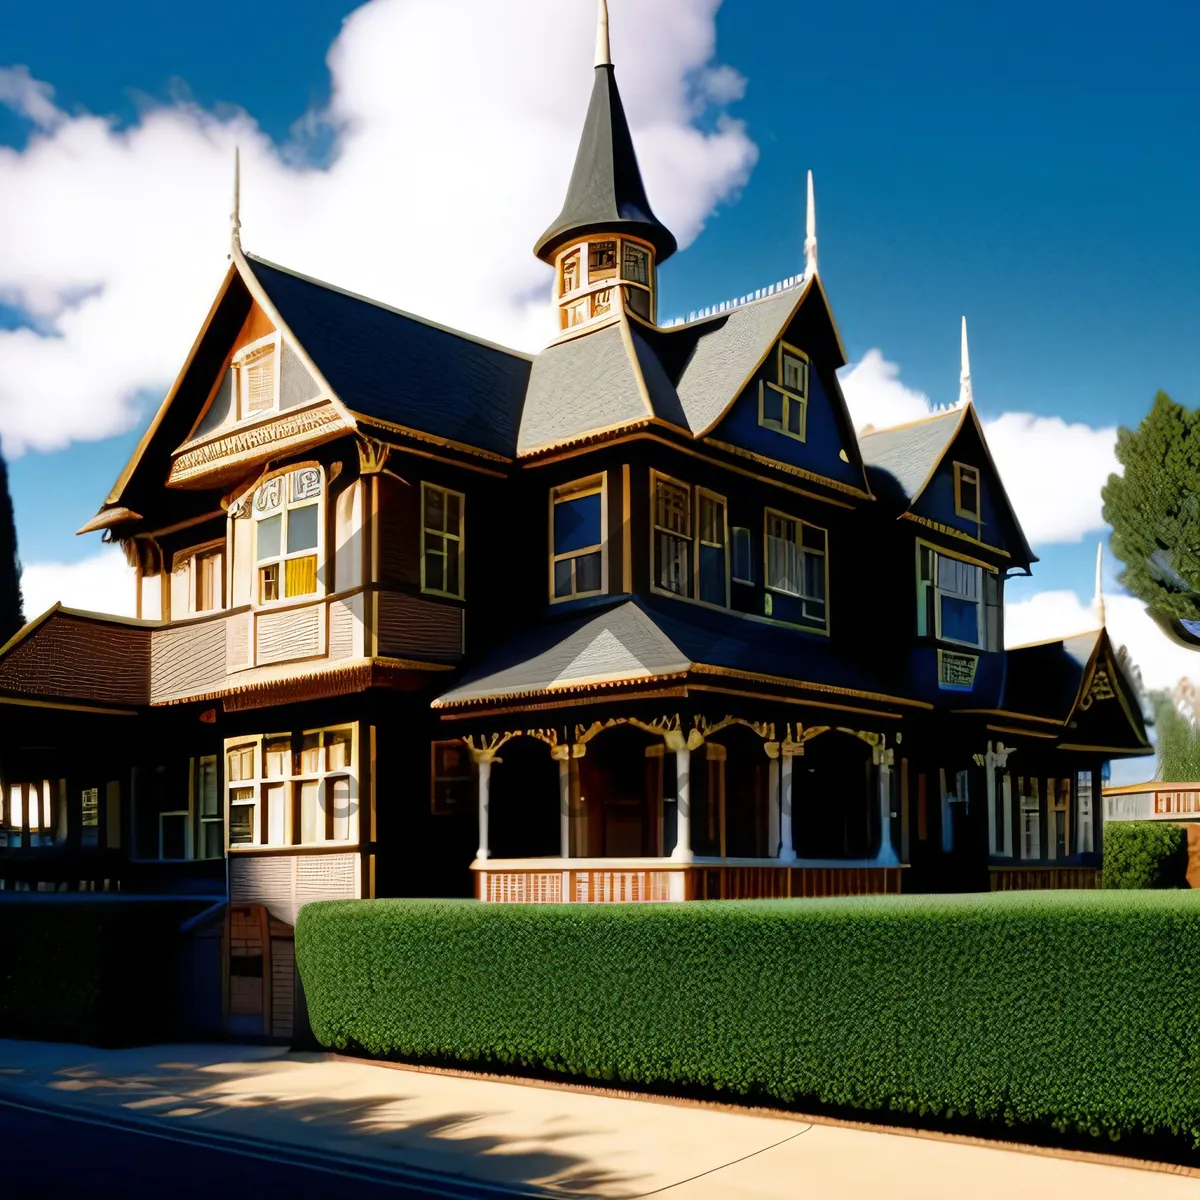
1075, 1010
1145, 854
97, 971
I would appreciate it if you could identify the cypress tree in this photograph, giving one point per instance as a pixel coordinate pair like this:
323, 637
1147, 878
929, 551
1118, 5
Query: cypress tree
1153, 507
12, 616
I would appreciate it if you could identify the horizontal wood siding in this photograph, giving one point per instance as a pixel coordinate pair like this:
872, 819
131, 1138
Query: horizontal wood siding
284, 882
1036, 879
71, 657
289, 635
237, 642
410, 627
345, 618
187, 660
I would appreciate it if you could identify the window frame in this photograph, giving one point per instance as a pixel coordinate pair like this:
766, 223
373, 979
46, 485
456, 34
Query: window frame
442, 809
961, 473
702, 494
187, 563
788, 396
687, 538
459, 538
801, 549
584, 301
733, 532
281, 559
980, 644
241, 379
49, 797
587, 485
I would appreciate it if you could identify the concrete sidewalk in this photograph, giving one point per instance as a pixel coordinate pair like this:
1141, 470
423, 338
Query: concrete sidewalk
536, 1139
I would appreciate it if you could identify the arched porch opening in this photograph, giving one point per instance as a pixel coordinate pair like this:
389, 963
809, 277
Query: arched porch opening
731, 796
623, 803
524, 801
836, 798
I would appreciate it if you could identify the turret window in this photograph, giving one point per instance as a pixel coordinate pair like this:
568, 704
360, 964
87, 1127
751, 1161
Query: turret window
635, 263
602, 260
570, 273
597, 269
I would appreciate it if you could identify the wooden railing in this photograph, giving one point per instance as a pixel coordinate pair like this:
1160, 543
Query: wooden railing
600, 881
1035, 879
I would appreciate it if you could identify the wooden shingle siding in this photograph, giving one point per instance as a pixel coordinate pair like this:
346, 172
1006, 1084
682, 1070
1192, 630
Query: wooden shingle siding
288, 635
283, 882
412, 628
344, 616
187, 660
82, 659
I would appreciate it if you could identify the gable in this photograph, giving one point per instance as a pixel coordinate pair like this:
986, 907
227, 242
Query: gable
772, 421
964, 491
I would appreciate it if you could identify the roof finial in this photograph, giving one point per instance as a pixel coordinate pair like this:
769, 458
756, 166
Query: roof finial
603, 49
235, 217
965, 395
1098, 599
810, 233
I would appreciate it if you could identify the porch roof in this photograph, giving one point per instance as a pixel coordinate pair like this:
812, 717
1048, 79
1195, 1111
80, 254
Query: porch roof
639, 640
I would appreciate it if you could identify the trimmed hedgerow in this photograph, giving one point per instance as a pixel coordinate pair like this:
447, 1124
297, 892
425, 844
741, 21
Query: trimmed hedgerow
1070, 1010
1145, 854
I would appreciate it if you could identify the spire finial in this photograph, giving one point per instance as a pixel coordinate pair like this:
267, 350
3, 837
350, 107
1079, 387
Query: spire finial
1098, 599
603, 49
810, 233
235, 217
965, 395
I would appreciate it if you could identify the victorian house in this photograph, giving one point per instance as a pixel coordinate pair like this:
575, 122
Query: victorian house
640, 617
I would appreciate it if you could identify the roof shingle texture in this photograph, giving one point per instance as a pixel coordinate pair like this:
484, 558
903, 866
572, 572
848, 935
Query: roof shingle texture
910, 452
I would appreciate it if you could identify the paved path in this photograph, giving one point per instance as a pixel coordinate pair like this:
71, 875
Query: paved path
511, 1138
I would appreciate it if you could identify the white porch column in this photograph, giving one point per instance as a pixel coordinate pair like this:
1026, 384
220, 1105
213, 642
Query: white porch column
884, 757
485, 783
683, 805
787, 851
997, 758
1006, 800
563, 755
772, 749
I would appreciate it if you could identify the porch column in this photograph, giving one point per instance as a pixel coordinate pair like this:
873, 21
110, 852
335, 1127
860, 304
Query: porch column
772, 749
787, 850
563, 755
484, 762
884, 758
682, 748
997, 758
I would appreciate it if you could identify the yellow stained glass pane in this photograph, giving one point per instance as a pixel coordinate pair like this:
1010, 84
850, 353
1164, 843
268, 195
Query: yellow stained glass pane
300, 575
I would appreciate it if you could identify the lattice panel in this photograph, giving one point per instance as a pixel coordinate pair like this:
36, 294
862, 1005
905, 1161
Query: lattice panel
520, 887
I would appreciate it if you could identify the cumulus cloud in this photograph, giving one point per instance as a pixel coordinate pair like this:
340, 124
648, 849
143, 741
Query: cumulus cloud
452, 125
1052, 469
103, 583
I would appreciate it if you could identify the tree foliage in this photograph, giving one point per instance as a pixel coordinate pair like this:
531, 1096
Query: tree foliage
1177, 742
11, 608
1154, 509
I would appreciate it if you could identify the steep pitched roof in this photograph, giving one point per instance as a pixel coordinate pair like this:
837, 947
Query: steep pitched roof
399, 368
910, 453
605, 378
606, 193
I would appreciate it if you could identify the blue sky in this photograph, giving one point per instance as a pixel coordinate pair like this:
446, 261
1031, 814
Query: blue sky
1034, 166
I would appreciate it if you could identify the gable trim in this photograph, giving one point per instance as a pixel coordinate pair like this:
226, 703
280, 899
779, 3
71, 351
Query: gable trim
848, 488
1103, 652
432, 438
949, 531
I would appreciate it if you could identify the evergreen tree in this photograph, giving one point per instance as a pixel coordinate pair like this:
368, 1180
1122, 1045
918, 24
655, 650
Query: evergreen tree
1177, 742
11, 609
1154, 509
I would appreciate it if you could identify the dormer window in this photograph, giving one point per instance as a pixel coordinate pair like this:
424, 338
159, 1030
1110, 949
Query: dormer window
966, 491
256, 371
288, 523
783, 401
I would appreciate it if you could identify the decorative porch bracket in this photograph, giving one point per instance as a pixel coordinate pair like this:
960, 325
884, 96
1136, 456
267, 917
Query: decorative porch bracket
483, 755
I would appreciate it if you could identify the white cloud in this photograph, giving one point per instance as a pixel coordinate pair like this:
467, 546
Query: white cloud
103, 583
1052, 470
1061, 613
454, 126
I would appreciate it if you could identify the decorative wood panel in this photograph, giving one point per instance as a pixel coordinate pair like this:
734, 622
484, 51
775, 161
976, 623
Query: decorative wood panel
524, 887
1037, 879
284, 882
187, 660
81, 658
399, 532
410, 627
345, 618
237, 642
620, 887
288, 635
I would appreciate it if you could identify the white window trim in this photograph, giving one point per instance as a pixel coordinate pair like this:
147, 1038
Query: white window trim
576, 489
459, 537
287, 505
241, 379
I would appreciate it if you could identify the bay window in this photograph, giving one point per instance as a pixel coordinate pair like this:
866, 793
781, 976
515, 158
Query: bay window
288, 521
578, 531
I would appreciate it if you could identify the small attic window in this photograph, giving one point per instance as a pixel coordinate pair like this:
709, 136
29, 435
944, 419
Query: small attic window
257, 369
966, 491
